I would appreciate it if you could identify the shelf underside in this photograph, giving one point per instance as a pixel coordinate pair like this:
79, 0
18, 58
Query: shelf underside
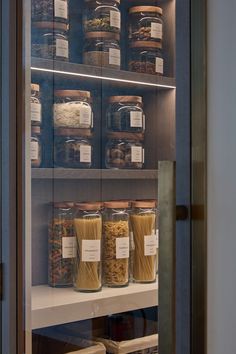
52, 306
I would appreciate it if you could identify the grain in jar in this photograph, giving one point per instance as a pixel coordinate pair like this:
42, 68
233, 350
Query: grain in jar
50, 10
35, 147
35, 105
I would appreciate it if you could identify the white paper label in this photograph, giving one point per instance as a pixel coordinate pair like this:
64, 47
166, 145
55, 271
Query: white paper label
136, 119
157, 237
34, 150
144, 122
86, 116
114, 56
85, 153
68, 247
91, 250
132, 245
122, 247
156, 30
150, 245
61, 9
62, 48
143, 155
136, 154
36, 112
159, 65
115, 19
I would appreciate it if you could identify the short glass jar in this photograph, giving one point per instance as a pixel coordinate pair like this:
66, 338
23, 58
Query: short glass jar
61, 245
146, 57
73, 148
50, 40
36, 106
50, 10
124, 151
116, 244
88, 264
125, 114
102, 49
145, 23
35, 147
143, 239
72, 109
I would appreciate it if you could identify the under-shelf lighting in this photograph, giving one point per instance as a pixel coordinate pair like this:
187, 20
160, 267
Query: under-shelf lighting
102, 77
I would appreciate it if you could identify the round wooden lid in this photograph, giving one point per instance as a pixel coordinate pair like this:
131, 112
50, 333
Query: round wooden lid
89, 206
35, 129
135, 99
35, 87
72, 93
83, 133
146, 44
125, 136
105, 35
116, 204
143, 204
137, 9
51, 25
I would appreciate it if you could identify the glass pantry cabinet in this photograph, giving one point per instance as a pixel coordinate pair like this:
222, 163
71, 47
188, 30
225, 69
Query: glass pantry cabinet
96, 155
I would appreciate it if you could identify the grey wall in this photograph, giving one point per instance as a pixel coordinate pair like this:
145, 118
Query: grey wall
221, 177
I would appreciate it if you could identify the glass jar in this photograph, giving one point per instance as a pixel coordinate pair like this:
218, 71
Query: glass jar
61, 245
72, 109
146, 57
143, 241
124, 150
103, 15
35, 147
36, 106
125, 114
116, 244
102, 49
88, 265
145, 23
50, 40
72, 148
50, 10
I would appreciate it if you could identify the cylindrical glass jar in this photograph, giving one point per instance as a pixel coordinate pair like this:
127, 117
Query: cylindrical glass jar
146, 57
72, 109
50, 10
102, 49
36, 106
88, 265
124, 150
145, 23
35, 147
102, 16
143, 239
61, 245
116, 244
73, 148
50, 40
125, 114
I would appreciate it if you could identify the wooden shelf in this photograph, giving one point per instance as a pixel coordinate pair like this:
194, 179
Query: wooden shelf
64, 173
52, 306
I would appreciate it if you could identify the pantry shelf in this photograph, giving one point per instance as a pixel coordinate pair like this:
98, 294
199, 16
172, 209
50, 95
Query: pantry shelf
52, 306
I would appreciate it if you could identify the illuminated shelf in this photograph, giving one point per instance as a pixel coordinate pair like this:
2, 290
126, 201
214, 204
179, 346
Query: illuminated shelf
52, 306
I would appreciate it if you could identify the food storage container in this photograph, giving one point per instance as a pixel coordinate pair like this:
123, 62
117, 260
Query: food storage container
116, 243
102, 49
35, 105
50, 10
35, 147
125, 114
88, 265
72, 109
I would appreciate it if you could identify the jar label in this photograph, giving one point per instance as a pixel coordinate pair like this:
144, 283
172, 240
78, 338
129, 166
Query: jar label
122, 247
143, 155
159, 65
34, 150
157, 237
36, 112
115, 19
132, 244
136, 154
91, 250
62, 48
150, 245
61, 9
85, 153
114, 56
86, 116
136, 119
156, 30
68, 247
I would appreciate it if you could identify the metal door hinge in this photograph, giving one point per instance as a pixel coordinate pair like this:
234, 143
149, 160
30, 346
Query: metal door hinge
181, 212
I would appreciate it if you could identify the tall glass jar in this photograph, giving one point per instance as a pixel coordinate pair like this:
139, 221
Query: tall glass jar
50, 40
36, 106
35, 147
125, 114
143, 239
61, 245
88, 265
116, 244
102, 15
50, 10
102, 49
72, 109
